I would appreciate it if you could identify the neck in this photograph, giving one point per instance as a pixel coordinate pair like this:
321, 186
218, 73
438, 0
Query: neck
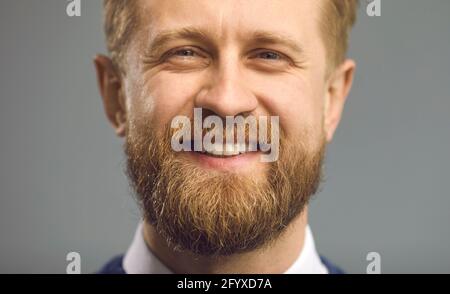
275, 258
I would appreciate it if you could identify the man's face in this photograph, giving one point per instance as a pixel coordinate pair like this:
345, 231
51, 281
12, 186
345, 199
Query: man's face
229, 58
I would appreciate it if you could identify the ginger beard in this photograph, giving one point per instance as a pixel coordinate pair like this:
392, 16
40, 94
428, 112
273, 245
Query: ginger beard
214, 213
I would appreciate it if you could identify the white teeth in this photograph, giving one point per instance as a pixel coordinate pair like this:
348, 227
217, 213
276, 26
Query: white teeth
227, 149
230, 153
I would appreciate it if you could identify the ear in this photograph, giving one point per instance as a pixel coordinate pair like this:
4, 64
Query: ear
338, 88
110, 86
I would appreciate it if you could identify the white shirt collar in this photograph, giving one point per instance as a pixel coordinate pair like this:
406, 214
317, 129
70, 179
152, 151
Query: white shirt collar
139, 259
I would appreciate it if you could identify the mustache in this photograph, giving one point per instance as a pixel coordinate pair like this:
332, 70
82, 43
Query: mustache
227, 132
238, 135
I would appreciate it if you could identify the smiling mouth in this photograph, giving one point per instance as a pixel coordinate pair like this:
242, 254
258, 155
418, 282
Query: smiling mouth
230, 157
228, 150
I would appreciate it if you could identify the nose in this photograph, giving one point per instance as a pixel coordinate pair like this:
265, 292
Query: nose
226, 92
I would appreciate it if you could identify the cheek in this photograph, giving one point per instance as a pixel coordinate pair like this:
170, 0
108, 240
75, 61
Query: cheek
164, 96
296, 100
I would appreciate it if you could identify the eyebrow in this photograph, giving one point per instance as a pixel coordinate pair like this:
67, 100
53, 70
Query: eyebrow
203, 36
164, 37
274, 38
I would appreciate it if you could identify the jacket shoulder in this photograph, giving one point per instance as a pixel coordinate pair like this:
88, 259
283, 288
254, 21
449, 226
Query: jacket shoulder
113, 267
332, 269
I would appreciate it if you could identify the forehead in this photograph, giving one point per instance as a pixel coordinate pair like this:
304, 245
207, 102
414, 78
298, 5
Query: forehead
231, 18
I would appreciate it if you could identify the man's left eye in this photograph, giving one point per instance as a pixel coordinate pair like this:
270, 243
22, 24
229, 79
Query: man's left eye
269, 55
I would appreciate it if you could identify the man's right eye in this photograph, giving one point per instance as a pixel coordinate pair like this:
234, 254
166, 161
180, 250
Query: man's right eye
186, 58
185, 53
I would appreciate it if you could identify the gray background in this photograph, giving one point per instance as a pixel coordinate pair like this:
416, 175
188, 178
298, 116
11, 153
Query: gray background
62, 186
